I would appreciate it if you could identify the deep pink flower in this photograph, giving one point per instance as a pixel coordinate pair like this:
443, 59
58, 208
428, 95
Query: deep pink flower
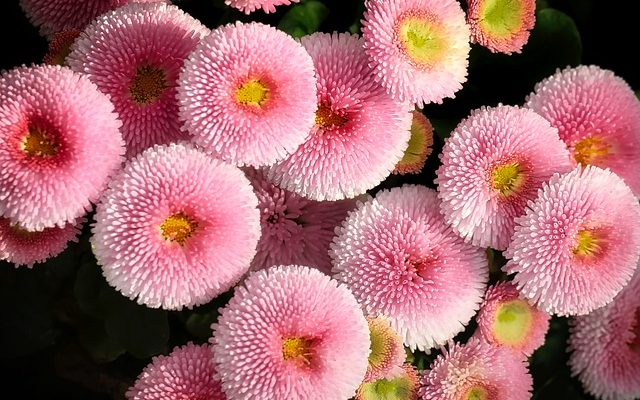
401, 387
188, 373
59, 144
401, 260
419, 146
60, 46
418, 48
387, 354
291, 333
578, 243
360, 132
247, 94
176, 228
597, 115
249, 6
492, 165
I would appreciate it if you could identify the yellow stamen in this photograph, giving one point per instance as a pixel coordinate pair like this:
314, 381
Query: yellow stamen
507, 178
326, 118
297, 349
37, 143
252, 93
590, 150
148, 84
178, 228
587, 243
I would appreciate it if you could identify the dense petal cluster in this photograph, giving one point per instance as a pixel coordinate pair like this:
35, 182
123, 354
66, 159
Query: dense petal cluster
419, 147
247, 94
291, 333
403, 386
59, 144
176, 228
477, 370
502, 26
137, 70
343, 155
60, 46
597, 115
387, 352
492, 165
295, 230
605, 347
187, 373
249, 6
418, 48
401, 260
578, 243
507, 320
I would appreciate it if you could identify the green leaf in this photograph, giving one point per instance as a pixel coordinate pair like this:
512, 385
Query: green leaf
443, 127
304, 18
88, 286
199, 324
94, 338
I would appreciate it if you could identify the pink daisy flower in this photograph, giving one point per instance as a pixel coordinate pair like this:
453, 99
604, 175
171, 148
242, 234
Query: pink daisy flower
492, 165
605, 347
249, 6
247, 94
418, 48
291, 333
578, 244
505, 319
176, 228
58, 15
23, 247
60, 46
401, 260
343, 156
419, 147
387, 352
477, 371
295, 230
137, 70
187, 373
502, 26
598, 117
59, 144
401, 387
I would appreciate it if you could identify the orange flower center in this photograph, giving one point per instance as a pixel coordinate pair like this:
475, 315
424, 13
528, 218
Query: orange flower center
590, 150
38, 143
326, 118
178, 228
148, 84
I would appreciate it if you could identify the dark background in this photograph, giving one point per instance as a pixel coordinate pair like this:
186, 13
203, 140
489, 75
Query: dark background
65, 334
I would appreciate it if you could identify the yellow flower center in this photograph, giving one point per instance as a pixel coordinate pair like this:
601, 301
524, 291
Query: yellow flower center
178, 228
421, 39
590, 150
37, 143
148, 84
501, 17
297, 349
252, 93
513, 321
326, 118
476, 393
588, 243
507, 178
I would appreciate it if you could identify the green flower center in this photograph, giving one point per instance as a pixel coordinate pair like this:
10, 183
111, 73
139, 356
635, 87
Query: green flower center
513, 321
507, 178
501, 17
421, 39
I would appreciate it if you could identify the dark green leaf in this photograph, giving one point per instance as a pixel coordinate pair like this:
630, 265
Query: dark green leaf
199, 324
88, 286
94, 338
443, 127
304, 18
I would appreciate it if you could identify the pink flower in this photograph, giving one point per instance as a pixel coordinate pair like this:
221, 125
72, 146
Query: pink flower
505, 319
60, 46
501, 26
492, 165
419, 147
138, 70
598, 117
249, 6
59, 144
187, 373
58, 15
605, 347
387, 354
291, 333
401, 387
176, 228
477, 370
23, 247
247, 94
578, 243
418, 48
360, 132
295, 230
401, 260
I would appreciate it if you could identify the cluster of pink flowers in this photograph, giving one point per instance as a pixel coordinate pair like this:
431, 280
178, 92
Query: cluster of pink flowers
240, 158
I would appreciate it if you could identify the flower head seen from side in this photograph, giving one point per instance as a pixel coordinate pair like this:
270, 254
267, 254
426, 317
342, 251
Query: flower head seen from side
343, 156
605, 347
23, 247
419, 147
477, 371
176, 228
295, 230
292, 333
387, 352
502, 26
418, 48
401, 260
187, 373
249, 6
492, 165
138, 70
247, 94
52, 124
507, 320
597, 115
578, 243
60, 46
403, 386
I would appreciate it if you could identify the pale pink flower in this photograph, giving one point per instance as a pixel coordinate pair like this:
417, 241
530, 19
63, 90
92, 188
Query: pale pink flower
249, 6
